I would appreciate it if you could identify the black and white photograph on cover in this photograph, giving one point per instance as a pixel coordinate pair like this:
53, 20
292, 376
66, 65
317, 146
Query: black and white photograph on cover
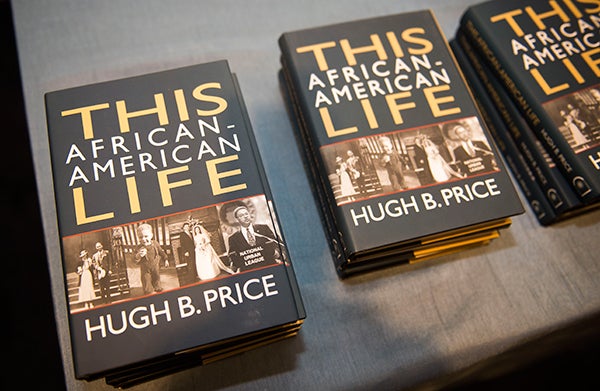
407, 159
117, 263
148, 257
351, 171
144, 258
577, 116
125, 262
253, 238
198, 246
470, 148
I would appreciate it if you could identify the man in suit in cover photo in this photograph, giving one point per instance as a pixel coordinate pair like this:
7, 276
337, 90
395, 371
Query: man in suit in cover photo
102, 262
473, 156
188, 254
253, 245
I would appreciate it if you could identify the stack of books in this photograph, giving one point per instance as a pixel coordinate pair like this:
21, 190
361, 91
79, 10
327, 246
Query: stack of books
400, 159
171, 247
535, 67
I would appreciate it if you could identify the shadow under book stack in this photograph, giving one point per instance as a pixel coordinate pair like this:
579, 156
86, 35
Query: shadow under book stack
536, 66
402, 164
171, 248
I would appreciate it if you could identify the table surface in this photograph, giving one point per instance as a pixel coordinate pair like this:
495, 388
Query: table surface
387, 329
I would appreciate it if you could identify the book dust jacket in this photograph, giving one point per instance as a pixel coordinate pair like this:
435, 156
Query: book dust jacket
395, 134
156, 179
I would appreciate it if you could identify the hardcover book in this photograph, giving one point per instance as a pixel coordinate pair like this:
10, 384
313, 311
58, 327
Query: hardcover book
399, 156
554, 186
172, 251
546, 55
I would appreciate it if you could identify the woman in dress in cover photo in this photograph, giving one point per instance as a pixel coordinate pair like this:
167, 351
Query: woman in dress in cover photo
208, 262
439, 167
574, 126
87, 294
346, 186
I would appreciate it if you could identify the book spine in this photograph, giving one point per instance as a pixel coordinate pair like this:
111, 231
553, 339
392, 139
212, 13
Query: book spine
580, 174
557, 190
521, 171
530, 188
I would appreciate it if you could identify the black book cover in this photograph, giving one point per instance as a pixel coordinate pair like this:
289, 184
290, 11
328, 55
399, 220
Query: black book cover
530, 186
154, 177
373, 97
556, 187
546, 54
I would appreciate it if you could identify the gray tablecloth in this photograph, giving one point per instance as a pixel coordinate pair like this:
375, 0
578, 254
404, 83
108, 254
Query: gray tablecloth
388, 329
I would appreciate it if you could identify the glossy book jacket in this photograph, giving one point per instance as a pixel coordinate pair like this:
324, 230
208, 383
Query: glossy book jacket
385, 112
156, 179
